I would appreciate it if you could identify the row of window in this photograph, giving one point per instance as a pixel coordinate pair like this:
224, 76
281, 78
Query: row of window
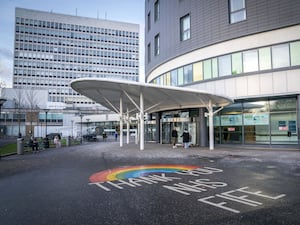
74, 51
50, 81
16, 117
57, 42
74, 27
263, 122
72, 75
76, 66
52, 58
254, 60
76, 36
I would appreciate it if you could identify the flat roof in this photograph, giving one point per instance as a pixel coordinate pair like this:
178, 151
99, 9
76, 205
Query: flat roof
108, 92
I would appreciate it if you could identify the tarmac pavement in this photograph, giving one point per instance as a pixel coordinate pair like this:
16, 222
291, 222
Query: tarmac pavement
223, 186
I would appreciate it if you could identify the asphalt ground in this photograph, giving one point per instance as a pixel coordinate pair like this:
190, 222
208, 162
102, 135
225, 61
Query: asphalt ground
223, 186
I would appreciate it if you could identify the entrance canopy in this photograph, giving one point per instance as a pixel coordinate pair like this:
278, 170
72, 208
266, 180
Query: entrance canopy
156, 98
146, 98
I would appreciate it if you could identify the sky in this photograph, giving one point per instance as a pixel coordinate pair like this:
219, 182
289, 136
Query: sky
131, 11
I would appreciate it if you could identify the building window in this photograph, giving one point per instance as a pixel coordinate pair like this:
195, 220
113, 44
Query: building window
174, 78
149, 52
149, 21
237, 10
250, 62
187, 74
224, 65
295, 53
185, 27
156, 11
265, 58
197, 71
237, 64
280, 56
156, 45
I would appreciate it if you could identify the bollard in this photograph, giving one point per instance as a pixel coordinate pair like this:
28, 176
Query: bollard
20, 146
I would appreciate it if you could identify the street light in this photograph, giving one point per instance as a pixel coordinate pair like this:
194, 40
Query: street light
2, 100
46, 111
72, 128
87, 129
80, 115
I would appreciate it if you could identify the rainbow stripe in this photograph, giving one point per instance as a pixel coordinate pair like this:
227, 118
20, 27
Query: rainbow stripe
136, 171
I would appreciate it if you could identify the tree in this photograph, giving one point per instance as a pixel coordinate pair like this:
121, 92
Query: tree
33, 110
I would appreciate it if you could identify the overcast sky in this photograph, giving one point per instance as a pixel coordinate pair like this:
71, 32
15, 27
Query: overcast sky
131, 11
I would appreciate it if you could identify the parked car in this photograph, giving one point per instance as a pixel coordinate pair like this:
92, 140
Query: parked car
90, 137
52, 135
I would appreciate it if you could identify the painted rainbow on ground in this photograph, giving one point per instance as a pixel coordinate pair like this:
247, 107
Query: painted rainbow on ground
136, 171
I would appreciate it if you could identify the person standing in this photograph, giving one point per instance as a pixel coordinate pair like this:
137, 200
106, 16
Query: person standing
174, 137
116, 135
34, 144
57, 141
185, 138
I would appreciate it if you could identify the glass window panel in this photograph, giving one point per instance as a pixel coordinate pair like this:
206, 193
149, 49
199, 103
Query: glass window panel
168, 79
288, 104
256, 107
207, 70
156, 10
237, 67
238, 16
232, 109
250, 61
185, 28
237, 11
264, 58
224, 65
284, 128
257, 134
280, 56
156, 45
187, 74
197, 71
237, 5
180, 76
215, 69
174, 79
295, 53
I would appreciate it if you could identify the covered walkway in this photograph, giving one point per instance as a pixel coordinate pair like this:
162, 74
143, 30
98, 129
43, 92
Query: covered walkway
130, 98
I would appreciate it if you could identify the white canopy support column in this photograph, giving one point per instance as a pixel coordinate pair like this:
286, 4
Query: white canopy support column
142, 130
211, 125
121, 122
137, 131
210, 115
127, 127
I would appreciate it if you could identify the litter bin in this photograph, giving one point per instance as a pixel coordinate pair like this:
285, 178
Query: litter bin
68, 141
20, 146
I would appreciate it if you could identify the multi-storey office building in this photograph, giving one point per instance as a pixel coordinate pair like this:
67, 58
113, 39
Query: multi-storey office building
246, 50
52, 49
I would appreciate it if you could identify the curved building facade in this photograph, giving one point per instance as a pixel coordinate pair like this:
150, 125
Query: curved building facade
246, 50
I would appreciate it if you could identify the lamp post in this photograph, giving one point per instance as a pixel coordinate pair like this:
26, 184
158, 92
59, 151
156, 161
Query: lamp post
2, 100
80, 115
87, 129
72, 128
46, 111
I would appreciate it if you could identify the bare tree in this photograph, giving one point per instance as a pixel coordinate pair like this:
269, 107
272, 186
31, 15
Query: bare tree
19, 105
33, 112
